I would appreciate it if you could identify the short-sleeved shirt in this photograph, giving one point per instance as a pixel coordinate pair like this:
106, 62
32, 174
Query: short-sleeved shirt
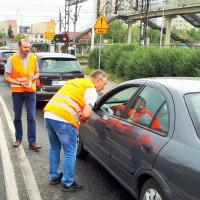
90, 98
8, 65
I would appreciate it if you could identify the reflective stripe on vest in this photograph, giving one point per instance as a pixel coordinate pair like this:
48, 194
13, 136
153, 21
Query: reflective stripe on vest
73, 103
67, 108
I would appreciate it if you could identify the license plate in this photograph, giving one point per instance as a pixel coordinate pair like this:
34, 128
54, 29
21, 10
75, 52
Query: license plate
58, 83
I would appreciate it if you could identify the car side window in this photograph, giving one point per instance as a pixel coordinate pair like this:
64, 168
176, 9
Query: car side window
150, 110
116, 104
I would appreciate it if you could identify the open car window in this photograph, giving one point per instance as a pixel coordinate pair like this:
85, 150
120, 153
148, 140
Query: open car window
115, 105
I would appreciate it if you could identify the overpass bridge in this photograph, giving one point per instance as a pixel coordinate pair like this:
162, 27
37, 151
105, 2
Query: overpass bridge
168, 9
146, 10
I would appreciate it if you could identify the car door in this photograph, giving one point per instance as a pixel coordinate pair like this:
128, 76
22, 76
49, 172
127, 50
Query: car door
96, 131
137, 139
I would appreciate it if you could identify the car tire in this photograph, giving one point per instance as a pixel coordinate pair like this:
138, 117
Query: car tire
151, 190
81, 152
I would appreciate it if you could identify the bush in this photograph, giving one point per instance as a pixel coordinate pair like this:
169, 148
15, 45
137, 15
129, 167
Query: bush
130, 62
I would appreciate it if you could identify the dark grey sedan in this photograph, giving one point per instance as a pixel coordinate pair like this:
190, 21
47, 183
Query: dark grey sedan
4, 55
146, 133
55, 69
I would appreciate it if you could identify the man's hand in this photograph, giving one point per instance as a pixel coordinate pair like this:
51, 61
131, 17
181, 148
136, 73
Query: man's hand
85, 114
24, 84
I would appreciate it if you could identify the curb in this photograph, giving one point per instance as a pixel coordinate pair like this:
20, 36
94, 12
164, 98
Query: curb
29, 178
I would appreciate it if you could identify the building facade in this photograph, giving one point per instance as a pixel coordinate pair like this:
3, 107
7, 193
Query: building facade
4, 26
43, 27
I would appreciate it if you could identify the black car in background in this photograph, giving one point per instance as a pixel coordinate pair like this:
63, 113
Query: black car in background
146, 133
4, 55
55, 69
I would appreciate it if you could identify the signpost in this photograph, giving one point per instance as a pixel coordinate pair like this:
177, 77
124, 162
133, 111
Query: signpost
101, 27
49, 35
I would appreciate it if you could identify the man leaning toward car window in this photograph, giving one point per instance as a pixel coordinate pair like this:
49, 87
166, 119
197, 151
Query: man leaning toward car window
21, 72
71, 105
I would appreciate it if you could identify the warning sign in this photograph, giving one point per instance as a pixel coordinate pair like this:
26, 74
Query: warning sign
101, 25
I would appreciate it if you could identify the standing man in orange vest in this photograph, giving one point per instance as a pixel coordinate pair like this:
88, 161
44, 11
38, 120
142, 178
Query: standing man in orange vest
21, 72
70, 105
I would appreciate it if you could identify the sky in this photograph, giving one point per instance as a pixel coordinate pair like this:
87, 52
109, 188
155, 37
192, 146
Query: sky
27, 12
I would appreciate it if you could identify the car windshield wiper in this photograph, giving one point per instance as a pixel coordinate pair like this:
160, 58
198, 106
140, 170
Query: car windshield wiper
74, 71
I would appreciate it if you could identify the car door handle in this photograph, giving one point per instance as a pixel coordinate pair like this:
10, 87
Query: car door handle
147, 147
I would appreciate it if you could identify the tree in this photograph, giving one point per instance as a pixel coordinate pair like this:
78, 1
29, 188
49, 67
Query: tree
117, 31
18, 37
154, 36
10, 32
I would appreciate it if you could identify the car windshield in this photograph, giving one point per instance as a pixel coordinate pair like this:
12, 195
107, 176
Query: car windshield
193, 104
59, 65
6, 54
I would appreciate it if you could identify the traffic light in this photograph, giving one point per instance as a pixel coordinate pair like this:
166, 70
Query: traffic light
61, 38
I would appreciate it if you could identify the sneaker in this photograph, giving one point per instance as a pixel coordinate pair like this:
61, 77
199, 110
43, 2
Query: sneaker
72, 188
57, 180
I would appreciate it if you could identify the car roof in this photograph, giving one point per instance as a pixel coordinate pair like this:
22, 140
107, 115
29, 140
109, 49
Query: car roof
179, 84
7, 50
53, 55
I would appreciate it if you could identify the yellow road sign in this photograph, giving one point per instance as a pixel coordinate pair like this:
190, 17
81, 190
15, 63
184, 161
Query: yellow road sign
101, 25
101, 31
49, 35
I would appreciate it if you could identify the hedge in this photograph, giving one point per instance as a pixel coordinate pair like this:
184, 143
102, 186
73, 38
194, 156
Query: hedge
130, 61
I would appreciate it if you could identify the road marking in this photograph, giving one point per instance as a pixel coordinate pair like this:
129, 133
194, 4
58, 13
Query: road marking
9, 175
29, 178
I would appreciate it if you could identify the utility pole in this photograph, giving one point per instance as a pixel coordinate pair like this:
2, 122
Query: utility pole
144, 22
67, 15
94, 16
75, 19
60, 21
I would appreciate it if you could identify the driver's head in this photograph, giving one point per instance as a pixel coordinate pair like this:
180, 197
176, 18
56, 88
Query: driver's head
99, 79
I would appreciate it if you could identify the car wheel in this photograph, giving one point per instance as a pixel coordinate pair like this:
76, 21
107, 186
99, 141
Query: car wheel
81, 152
151, 190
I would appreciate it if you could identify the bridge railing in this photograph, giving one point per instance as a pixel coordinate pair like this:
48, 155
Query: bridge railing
155, 5
170, 4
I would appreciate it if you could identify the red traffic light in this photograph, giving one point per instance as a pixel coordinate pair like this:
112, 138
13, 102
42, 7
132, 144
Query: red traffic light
61, 38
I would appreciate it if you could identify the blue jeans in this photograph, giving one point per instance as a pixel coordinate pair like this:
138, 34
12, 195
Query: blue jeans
30, 101
63, 135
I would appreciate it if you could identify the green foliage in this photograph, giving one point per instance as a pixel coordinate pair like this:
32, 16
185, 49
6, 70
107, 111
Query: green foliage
192, 35
10, 32
154, 36
18, 37
117, 31
130, 62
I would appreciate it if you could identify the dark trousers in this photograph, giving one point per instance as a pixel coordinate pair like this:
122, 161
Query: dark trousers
30, 101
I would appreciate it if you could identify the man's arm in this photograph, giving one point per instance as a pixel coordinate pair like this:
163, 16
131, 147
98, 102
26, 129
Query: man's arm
86, 113
11, 80
90, 98
37, 74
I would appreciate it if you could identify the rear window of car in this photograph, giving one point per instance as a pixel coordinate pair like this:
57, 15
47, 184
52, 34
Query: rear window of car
59, 65
193, 104
6, 54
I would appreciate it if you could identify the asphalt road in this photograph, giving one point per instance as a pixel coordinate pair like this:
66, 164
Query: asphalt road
98, 183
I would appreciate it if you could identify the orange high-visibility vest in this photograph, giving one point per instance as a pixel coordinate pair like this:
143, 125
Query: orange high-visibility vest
20, 74
69, 100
